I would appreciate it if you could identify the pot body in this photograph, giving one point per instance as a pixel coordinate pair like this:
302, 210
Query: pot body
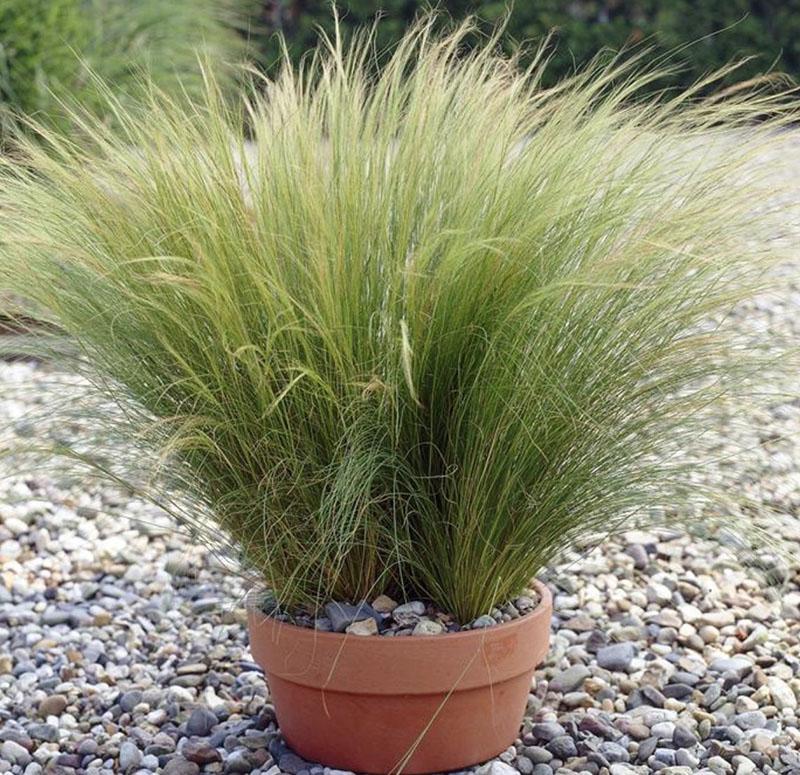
414, 704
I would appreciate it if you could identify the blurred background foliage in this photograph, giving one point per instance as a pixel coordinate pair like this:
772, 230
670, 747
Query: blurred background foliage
720, 30
50, 48
41, 40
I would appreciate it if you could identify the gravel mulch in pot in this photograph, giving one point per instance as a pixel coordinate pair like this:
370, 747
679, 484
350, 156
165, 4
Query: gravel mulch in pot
385, 616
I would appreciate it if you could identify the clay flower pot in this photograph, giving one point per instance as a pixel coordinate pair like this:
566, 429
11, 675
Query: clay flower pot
417, 704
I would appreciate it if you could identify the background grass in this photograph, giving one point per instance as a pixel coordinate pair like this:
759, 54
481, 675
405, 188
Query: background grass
50, 48
434, 325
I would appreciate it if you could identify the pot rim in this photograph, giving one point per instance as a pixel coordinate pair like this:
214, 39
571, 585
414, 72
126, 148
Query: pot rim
542, 608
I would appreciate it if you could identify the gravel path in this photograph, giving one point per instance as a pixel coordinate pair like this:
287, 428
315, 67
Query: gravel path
123, 646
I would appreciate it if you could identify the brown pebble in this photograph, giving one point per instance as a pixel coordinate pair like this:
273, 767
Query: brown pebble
759, 678
200, 752
383, 604
695, 642
365, 627
637, 731
54, 705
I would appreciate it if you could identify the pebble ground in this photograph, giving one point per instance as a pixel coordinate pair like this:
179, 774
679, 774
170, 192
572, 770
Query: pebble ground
123, 646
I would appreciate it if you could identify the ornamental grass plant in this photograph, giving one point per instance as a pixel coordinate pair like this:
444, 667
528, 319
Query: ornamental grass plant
430, 325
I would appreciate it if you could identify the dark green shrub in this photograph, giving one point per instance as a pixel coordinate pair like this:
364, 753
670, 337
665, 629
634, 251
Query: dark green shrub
720, 30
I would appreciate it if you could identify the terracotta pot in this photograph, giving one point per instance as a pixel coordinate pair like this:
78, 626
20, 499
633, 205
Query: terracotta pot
417, 704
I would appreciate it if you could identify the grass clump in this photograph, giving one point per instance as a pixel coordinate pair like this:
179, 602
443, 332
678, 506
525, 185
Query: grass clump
435, 324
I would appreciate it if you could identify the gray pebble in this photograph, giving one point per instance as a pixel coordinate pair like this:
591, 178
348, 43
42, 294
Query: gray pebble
201, 722
663, 730
524, 765
613, 752
547, 730
711, 695
562, 747
616, 657
647, 749
15, 753
537, 754
55, 616
87, 746
683, 737
482, 622
292, 763
496, 767
718, 764
129, 756
239, 761
677, 691
205, 604
639, 555
413, 608
129, 700
180, 766
684, 758
570, 679
739, 665
753, 719
45, 732
665, 756
342, 615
